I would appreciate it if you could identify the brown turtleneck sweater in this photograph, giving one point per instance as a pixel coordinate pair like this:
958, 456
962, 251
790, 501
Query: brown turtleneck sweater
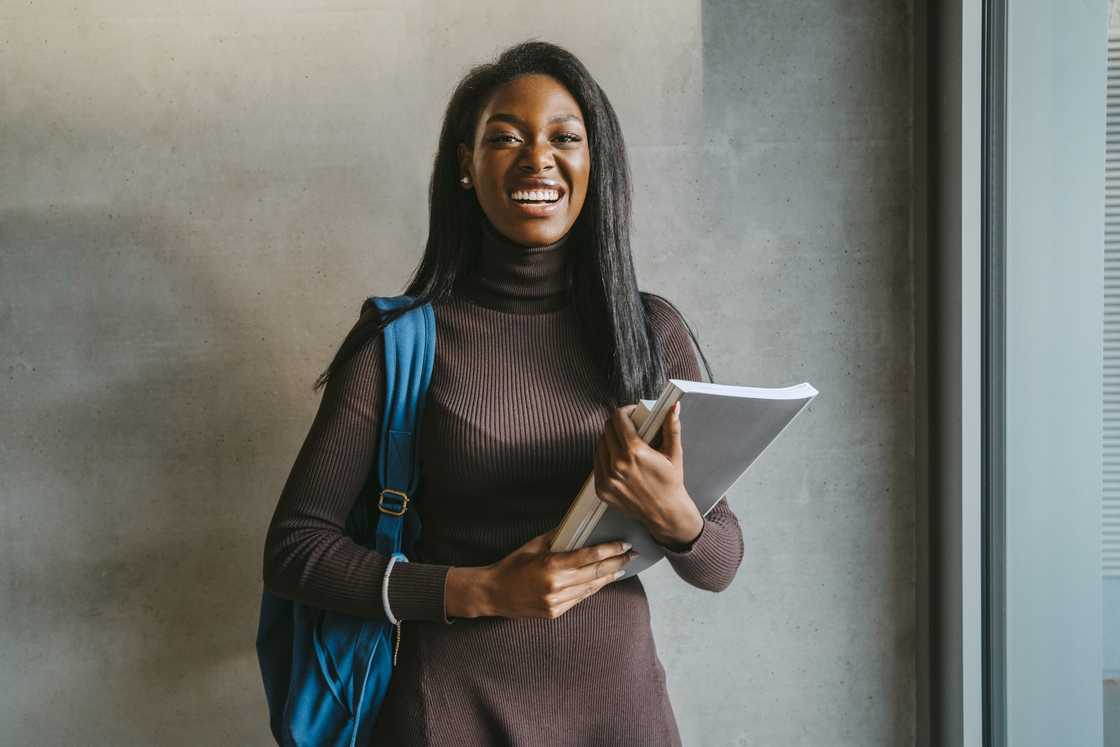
507, 439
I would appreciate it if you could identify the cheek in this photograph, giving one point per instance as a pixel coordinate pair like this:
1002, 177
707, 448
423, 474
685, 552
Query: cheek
584, 167
584, 179
582, 182
490, 190
489, 173
581, 175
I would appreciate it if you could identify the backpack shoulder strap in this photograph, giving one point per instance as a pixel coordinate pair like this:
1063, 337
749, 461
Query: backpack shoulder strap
409, 355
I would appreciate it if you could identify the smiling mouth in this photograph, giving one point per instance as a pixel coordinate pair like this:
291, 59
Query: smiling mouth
537, 206
536, 196
536, 202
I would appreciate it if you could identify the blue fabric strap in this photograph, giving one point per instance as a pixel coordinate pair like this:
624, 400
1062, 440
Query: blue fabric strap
409, 355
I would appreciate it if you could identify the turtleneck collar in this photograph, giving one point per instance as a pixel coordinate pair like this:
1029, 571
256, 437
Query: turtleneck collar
519, 279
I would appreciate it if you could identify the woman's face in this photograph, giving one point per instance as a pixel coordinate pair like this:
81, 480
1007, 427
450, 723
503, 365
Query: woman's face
529, 137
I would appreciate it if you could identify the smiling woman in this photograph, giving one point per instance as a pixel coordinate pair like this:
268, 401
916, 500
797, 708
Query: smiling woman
543, 336
528, 161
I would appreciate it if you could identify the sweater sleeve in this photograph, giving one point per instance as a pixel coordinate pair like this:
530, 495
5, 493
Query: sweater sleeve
307, 555
712, 559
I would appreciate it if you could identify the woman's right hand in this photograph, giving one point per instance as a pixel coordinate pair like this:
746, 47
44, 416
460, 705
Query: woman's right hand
532, 581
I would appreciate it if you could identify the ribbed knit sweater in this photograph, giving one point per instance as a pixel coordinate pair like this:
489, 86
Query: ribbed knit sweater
507, 438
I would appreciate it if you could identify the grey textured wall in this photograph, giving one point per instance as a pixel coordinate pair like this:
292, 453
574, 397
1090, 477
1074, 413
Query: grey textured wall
195, 198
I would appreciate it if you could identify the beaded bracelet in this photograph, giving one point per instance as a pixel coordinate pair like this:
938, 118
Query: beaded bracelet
385, 586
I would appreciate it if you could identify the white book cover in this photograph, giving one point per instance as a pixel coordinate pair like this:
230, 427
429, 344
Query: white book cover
724, 429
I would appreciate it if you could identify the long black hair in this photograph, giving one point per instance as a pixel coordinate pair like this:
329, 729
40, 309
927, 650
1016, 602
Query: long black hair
612, 312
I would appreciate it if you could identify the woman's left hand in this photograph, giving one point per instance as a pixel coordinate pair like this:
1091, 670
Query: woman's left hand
645, 483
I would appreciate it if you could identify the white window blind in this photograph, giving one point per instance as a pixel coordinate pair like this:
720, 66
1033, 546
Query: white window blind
1110, 520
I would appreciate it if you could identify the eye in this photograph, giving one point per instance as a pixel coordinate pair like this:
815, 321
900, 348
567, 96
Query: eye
502, 138
572, 138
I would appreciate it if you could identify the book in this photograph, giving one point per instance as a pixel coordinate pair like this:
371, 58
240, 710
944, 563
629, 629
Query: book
724, 429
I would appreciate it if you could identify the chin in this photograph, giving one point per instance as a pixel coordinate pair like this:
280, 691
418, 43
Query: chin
529, 235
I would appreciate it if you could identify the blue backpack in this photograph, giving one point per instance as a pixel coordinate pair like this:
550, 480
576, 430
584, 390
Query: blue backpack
325, 673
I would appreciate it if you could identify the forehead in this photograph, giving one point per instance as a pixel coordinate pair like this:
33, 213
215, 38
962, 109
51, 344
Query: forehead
534, 99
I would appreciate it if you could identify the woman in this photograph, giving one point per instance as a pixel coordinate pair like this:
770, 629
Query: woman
542, 342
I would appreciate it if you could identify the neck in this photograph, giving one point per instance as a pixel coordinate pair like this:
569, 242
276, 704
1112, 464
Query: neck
519, 279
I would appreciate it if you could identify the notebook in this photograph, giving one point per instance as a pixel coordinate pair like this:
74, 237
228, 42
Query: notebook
724, 430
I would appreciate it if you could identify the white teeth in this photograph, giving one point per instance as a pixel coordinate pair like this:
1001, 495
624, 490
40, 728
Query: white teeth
536, 194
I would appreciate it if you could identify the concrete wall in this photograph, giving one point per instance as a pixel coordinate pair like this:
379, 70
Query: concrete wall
194, 199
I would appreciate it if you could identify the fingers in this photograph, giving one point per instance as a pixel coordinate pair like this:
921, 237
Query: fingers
620, 435
611, 440
566, 578
597, 571
671, 445
542, 542
624, 427
607, 454
570, 595
593, 554
587, 563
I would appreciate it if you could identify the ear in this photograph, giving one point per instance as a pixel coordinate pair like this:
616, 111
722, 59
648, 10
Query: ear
465, 156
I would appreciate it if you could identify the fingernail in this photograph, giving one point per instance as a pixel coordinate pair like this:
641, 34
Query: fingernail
620, 573
626, 546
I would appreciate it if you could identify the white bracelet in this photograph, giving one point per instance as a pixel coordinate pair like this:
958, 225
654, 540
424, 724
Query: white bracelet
385, 587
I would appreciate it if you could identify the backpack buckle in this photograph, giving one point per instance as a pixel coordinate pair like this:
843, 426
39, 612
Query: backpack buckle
395, 510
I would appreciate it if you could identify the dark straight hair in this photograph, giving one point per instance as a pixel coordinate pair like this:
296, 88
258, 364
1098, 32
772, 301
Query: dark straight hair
612, 312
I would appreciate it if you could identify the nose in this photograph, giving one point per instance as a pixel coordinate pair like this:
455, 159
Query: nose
536, 157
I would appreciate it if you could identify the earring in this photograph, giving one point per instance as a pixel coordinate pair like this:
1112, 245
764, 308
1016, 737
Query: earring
465, 180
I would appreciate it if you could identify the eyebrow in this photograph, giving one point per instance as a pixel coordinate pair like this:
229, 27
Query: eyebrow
503, 117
